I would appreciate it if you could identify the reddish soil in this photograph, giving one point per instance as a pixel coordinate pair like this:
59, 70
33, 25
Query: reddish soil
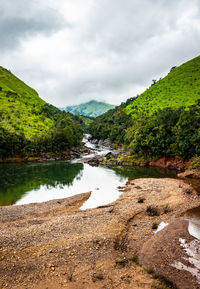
171, 163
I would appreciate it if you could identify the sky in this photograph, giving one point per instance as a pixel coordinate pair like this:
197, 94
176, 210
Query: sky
73, 51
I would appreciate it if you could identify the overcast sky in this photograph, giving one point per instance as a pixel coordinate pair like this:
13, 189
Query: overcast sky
72, 51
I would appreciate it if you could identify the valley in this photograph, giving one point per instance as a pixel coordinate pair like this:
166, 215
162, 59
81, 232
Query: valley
102, 200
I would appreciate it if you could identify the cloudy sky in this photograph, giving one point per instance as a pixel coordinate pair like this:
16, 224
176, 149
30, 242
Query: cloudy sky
72, 51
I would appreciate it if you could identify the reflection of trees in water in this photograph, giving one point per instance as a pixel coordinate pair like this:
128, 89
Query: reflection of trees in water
143, 172
16, 179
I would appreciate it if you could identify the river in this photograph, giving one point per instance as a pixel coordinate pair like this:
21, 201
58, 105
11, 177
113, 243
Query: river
37, 182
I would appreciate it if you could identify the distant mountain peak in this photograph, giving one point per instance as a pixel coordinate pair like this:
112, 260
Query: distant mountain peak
92, 108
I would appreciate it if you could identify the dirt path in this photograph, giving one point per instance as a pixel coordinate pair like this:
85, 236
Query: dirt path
56, 245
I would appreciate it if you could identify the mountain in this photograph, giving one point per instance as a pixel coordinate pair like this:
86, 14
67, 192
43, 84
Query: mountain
92, 108
162, 121
28, 124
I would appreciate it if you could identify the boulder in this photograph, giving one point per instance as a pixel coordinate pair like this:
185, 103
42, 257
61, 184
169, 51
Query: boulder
174, 254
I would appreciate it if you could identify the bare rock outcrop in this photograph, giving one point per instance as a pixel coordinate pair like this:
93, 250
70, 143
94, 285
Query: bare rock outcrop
57, 245
174, 254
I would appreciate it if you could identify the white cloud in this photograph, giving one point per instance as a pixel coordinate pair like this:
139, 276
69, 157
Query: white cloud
105, 50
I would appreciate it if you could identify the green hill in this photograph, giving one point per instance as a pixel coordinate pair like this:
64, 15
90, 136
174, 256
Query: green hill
181, 87
92, 108
164, 120
28, 124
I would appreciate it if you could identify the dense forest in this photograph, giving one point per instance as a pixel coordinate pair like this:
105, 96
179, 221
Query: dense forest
28, 125
163, 121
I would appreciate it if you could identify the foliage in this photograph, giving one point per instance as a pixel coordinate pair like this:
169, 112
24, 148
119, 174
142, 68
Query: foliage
112, 125
195, 163
92, 108
167, 132
85, 121
181, 87
162, 121
28, 124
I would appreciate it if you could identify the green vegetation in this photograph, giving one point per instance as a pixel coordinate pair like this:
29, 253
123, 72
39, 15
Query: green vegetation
112, 125
167, 132
181, 87
154, 226
162, 121
85, 121
121, 261
195, 164
134, 259
92, 108
28, 125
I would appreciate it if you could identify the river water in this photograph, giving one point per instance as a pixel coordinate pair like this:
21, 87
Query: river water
37, 182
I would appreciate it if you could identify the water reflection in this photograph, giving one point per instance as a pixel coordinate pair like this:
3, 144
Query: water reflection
37, 182
18, 179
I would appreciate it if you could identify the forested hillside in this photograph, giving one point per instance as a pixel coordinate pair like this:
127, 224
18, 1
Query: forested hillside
92, 108
164, 120
28, 124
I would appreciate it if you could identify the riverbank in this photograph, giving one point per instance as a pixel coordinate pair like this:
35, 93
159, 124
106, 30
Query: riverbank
57, 245
67, 155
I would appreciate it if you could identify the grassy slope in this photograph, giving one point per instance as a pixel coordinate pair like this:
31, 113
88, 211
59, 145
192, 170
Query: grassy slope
20, 108
92, 108
181, 87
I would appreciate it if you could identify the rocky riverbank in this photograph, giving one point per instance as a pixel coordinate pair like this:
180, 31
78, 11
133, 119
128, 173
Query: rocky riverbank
68, 155
56, 245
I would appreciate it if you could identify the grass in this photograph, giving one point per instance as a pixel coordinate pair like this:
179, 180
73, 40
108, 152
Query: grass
21, 106
181, 87
22, 111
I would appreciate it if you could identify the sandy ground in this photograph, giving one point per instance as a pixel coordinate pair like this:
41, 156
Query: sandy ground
56, 245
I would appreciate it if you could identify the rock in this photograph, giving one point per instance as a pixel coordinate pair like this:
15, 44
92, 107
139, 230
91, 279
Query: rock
100, 143
94, 161
174, 254
94, 141
109, 155
70, 232
190, 174
75, 153
107, 142
119, 162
